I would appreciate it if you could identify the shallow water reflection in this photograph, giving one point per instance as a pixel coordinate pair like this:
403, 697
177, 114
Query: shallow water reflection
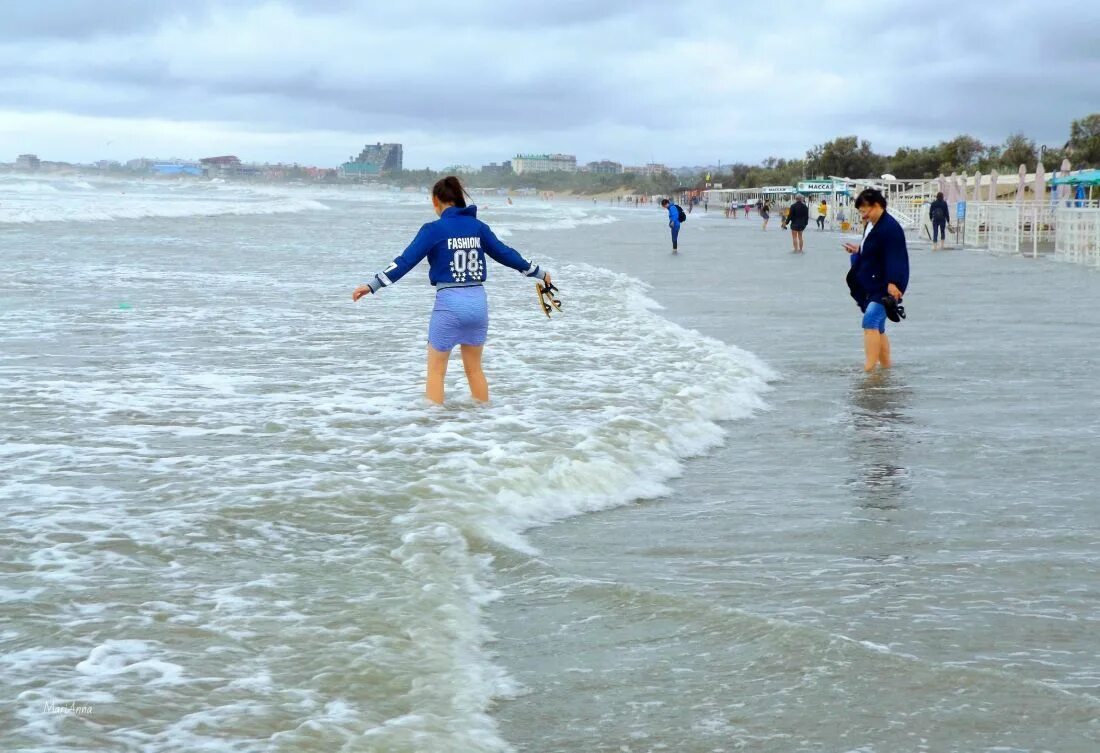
879, 421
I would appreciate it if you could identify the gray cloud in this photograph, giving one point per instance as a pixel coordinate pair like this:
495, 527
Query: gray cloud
686, 83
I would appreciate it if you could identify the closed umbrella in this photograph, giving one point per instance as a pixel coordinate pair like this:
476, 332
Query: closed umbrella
993, 185
1040, 183
1063, 190
951, 194
1020, 183
977, 185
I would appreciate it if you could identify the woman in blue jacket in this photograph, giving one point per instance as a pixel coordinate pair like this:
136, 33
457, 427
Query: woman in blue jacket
880, 270
456, 246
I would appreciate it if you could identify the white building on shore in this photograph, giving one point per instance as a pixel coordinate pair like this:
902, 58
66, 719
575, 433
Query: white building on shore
544, 163
651, 168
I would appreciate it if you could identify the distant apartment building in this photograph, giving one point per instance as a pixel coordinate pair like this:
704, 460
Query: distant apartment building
141, 164
226, 166
651, 168
504, 168
27, 162
604, 167
374, 160
172, 169
544, 163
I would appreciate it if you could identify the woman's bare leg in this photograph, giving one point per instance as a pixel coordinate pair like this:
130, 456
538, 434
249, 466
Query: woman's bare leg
872, 345
471, 361
884, 351
437, 372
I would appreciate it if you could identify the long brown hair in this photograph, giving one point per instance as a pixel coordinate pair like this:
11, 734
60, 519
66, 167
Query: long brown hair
449, 191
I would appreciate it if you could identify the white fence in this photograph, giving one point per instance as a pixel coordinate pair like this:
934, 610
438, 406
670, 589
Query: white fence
1003, 235
976, 223
1078, 235
1024, 227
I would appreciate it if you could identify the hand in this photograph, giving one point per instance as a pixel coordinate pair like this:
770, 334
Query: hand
892, 289
360, 291
851, 248
546, 278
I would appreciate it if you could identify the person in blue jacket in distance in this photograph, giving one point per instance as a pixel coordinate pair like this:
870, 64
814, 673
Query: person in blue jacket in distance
673, 221
456, 246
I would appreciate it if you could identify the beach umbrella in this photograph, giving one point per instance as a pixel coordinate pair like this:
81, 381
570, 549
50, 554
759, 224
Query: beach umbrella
1063, 190
993, 185
941, 186
1022, 180
977, 185
1040, 182
960, 188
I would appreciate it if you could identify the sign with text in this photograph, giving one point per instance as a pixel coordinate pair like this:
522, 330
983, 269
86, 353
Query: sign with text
819, 186
960, 210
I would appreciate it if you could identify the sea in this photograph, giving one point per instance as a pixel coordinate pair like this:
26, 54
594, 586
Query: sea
686, 521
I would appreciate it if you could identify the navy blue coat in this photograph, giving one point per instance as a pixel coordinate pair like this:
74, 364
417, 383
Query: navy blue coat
884, 258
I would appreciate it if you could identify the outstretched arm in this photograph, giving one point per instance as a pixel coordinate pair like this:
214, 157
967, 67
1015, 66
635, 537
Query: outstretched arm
400, 266
509, 257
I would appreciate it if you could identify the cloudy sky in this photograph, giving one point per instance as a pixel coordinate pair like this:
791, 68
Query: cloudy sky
684, 83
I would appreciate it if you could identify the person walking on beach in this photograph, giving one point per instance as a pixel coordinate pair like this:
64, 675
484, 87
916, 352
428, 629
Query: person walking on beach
879, 275
798, 218
940, 216
822, 211
456, 246
674, 213
765, 213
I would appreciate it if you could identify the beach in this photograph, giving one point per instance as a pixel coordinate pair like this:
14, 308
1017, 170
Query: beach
901, 561
686, 522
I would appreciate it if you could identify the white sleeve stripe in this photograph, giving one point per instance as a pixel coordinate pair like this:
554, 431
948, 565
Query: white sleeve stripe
531, 269
385, 280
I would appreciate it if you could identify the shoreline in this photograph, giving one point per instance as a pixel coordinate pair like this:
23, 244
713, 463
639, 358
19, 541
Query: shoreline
812, 539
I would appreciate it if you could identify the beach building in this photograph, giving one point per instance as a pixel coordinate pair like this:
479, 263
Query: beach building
27, 162
544, 163
171, 169
505, 168
225, 166
374, 160
604, 167
650, 168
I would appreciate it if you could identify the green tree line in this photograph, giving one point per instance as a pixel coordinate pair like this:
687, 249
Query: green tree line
580, 183
852, 157
847, 156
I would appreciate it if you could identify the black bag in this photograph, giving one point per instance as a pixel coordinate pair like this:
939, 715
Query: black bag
938, 215
680, 210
